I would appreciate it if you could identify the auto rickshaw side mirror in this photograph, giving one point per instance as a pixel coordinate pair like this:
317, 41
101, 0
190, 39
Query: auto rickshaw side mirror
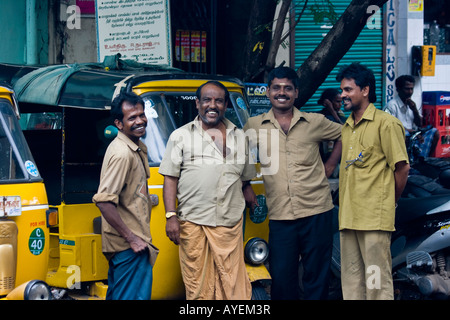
110, 132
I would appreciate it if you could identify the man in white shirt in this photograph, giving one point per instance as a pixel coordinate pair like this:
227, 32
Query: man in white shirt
404, 108
207, 169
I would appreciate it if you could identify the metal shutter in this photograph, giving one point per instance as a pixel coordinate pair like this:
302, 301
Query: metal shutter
367, 49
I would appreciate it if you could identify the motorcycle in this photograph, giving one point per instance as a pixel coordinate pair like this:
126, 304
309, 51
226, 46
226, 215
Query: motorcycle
421, 248
428, 176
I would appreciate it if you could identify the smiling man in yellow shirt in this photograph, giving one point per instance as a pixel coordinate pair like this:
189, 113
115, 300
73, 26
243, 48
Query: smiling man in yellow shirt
373, 173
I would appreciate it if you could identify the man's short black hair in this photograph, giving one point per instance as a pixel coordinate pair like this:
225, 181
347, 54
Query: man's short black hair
116, 104
283, 72
401, 81
217, 84
362, 76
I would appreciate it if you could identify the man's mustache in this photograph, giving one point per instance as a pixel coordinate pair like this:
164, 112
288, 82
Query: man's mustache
282, 97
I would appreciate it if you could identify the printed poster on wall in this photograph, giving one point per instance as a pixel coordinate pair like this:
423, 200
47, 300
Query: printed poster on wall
415, 5
190, 46
137, 29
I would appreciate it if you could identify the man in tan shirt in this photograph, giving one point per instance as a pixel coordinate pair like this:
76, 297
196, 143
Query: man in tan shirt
206, 168
125, 204
297, 189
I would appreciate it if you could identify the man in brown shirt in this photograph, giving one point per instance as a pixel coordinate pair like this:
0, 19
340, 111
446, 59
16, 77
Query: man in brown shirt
297, 190
124, 202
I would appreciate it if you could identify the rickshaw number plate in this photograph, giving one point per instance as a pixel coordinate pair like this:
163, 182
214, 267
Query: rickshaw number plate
10, 206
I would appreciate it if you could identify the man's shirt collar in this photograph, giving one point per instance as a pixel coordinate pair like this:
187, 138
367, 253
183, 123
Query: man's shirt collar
369, 114
197, 124
133, 146
297, 115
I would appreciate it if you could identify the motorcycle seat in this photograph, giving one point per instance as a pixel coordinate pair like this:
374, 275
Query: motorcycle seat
410, 209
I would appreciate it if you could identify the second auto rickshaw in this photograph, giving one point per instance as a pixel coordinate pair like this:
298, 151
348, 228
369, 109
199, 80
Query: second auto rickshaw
24, 221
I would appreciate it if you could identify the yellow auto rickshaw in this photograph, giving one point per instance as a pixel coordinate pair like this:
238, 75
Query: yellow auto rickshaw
65, 119
24, 221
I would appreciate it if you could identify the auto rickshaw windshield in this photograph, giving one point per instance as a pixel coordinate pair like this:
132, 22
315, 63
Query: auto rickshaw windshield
16, 161
159, 126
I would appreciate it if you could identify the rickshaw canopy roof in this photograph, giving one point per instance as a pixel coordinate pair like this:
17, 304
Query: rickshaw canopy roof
89, 85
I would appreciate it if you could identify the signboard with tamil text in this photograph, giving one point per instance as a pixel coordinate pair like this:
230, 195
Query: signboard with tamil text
257, 98
137, 29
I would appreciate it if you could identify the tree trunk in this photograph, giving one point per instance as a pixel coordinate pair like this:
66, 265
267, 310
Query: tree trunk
276, 41
258, 39
333, 47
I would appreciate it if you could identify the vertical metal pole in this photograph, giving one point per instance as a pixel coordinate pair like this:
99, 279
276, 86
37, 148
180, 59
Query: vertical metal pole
63, 156
213, 34
31, 31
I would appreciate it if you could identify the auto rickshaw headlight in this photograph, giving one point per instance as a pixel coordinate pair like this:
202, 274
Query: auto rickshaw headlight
52, 217
31, 290
37, 290
256, 251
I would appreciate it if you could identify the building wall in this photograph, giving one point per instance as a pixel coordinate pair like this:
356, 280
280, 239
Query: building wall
441, 79
24, 31
13, 32
69, 42
81, 44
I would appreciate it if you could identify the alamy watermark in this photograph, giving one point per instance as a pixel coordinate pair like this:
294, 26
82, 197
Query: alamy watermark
72, 16
373, 281
374, 21
74, 280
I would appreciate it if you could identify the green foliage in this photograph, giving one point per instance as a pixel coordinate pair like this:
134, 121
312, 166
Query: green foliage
323, 9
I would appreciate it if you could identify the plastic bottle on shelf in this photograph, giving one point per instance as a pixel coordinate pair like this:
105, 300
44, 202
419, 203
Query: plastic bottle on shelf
434, 35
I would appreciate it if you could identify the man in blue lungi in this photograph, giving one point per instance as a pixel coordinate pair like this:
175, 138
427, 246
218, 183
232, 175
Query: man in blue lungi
124, 202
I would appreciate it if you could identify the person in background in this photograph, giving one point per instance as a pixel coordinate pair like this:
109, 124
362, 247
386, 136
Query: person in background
405, 109
332, 102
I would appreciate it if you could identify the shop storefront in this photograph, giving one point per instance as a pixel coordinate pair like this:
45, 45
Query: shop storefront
408, 27
437, 12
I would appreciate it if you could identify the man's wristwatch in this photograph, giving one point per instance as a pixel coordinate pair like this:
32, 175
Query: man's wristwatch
170, 214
